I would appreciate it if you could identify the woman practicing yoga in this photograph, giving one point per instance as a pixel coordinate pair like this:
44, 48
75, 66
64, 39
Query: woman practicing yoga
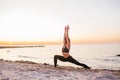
65, 51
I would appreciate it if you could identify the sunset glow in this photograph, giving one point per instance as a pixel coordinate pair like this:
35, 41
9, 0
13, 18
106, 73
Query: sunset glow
43, 21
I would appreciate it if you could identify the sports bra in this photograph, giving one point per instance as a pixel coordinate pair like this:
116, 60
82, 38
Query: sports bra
65, 49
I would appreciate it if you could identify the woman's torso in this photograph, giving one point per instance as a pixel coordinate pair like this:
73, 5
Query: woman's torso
65, 51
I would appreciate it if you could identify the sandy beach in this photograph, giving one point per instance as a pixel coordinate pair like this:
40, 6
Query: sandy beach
25, 70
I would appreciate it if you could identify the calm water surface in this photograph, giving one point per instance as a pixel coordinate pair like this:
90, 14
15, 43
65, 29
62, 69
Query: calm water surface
102, 56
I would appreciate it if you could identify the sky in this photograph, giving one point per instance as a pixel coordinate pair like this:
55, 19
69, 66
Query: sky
44, 20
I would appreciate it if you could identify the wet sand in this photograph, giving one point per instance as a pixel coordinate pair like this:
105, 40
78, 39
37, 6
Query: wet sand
25, 70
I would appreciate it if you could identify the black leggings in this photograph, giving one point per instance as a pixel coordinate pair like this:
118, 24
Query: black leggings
68, 59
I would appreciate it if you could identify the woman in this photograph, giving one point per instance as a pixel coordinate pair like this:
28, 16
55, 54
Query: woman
65, 51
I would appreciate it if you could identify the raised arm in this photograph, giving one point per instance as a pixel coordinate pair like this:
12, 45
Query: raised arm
66, 36
65, 32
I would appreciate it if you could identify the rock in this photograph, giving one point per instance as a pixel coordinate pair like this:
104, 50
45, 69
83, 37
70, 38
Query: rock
118, 55
46, 64
1, 59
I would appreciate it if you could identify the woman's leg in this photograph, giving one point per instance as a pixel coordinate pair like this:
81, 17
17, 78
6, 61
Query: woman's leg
72, 60
61, 58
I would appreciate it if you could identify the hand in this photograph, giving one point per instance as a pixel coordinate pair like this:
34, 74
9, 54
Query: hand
65, 28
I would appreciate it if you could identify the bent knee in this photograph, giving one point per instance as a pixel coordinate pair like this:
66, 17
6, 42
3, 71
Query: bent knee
55, 56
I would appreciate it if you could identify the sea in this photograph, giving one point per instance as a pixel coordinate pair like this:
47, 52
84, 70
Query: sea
97, 56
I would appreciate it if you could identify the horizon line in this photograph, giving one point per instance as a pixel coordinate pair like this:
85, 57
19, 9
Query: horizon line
52, 42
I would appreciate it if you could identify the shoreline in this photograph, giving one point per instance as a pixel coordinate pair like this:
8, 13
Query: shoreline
21, 46
26, 70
